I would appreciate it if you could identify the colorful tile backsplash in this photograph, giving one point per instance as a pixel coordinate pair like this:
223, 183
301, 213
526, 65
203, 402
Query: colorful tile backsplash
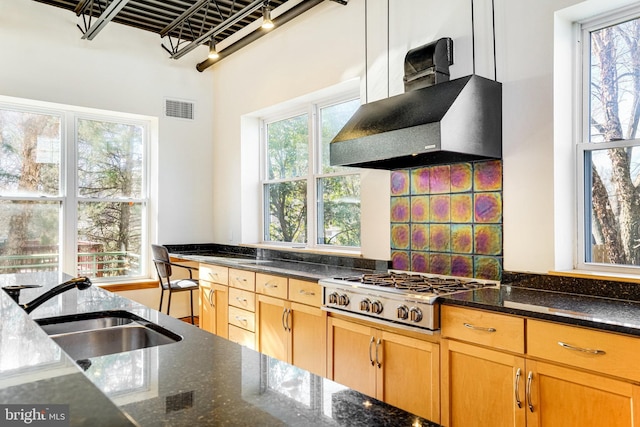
447, 219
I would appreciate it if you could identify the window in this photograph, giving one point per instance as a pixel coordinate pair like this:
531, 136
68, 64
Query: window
609, 149
307, 201
73, 193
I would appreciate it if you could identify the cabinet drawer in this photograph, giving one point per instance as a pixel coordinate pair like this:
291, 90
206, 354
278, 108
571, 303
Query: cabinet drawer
242, 318
242, 279
305, 292
274, 286
482, 327
214, 274
242, 337
604, 352
242, 299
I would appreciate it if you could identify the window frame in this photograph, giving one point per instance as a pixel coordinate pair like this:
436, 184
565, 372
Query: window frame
582, 31
68, 198
312, 108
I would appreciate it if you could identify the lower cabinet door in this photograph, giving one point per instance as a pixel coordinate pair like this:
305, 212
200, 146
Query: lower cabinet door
481, 387
207, 314
271, 333
308, 338
567, 397
408, 371
350, 355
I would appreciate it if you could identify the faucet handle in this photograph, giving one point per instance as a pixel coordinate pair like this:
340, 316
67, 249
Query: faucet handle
14, 290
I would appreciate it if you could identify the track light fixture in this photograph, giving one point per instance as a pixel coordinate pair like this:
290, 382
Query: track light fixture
213, 53
267, 23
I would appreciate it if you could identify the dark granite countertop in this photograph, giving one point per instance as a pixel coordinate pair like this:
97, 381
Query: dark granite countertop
200, 380
609, 314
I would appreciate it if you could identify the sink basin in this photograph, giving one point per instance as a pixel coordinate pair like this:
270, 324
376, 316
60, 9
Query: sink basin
87, 335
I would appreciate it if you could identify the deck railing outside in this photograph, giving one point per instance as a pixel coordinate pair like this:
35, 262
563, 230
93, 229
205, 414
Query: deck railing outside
91, 264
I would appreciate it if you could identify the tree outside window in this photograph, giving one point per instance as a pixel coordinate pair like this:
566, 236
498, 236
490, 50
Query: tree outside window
609, 151
307, 201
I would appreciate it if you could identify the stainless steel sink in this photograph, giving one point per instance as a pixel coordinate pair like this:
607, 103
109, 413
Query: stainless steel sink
101, 333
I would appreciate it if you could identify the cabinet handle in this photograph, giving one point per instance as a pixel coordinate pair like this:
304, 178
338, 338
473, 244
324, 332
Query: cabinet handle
307, 293
270, 285
378, 346
240, 279
479, 328
288, 317
370, 344
243, 300
211, 291
580, 349
213, 275
528, 391
284, 313
517, 388
241, 319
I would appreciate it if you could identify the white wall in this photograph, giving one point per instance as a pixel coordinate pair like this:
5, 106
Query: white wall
126, 70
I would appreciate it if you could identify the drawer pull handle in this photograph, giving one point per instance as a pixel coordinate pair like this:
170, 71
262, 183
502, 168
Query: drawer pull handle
517, 388
307, 293
529, 402
580, 349
213, 275
270, 285
244, 300
479, 328
377, 358
241, 319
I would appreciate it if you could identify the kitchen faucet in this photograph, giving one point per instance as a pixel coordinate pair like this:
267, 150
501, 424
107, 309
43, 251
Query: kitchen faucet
81, 283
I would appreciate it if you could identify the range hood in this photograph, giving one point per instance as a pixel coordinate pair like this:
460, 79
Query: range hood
438, 122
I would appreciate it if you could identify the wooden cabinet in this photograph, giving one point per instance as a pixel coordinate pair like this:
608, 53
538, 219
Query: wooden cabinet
398, 369
213, 299
566, 378
242, 306
287, 330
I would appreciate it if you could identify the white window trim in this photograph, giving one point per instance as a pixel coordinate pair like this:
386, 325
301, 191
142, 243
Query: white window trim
582, 30
69, 116
312, 108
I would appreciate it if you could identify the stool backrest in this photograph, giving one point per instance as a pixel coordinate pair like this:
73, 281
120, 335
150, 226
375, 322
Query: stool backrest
162, 261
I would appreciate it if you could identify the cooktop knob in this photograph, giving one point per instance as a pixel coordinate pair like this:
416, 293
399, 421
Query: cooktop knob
376, 307
333, 298
402, 312
343, 300
416, 314
365, 305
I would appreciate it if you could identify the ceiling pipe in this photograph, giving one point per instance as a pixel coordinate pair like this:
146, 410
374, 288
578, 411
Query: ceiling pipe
282, 19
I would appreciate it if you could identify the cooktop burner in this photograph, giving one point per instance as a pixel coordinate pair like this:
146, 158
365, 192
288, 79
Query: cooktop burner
418, 283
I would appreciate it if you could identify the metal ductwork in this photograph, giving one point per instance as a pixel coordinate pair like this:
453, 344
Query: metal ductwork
435, 121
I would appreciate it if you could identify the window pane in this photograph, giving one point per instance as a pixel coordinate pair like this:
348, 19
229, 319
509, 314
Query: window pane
339, 210
29, 236
614, 82
286, 220
110, 159
109, 239
331, 121
615, 214
29, 154
288, 147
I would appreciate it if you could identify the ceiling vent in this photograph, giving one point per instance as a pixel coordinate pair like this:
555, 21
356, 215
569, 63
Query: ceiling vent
179, 109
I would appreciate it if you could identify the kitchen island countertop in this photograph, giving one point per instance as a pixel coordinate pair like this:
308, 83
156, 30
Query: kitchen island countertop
201, 380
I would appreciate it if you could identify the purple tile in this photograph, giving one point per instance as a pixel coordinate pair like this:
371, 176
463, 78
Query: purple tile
440, 237
420, 181
440, 179
419, 208
462, 238
440, 208
400, 236
487, 176
462, 265
487, 239
420, 262
461, 177
400, 260
461, 208
487, 207
400, 183
440, 264
489, 268
419, 237
400, 211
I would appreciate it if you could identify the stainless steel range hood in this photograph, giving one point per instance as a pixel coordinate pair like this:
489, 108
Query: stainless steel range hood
453, 121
